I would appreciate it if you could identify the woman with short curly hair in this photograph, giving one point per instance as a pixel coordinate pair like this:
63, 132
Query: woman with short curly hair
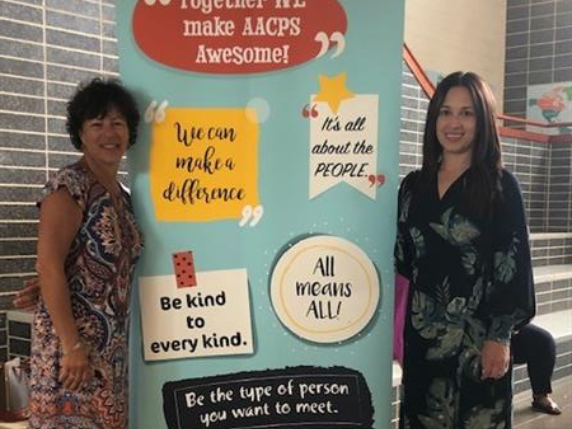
88, 244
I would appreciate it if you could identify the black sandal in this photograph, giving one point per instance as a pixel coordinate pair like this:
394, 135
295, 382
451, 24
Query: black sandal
546, 405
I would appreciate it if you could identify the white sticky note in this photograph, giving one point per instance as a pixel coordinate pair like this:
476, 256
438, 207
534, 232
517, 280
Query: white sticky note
181, 323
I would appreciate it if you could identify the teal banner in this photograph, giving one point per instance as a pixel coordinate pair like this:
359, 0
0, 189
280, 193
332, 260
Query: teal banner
265, 179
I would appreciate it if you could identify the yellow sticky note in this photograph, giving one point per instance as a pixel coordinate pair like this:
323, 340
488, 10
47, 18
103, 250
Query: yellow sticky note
204, 164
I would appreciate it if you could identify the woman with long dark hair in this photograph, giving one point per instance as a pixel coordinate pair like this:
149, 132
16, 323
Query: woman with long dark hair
463, 244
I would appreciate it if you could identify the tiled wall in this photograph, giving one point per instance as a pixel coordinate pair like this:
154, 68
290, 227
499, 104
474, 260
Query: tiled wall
538, 48
46, 48
552, 249
559, 201
19, 333
530, 162
543, 170
553, 296
414, 105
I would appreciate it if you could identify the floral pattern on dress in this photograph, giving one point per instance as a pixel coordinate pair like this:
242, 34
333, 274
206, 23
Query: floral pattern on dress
440, 405
99, 270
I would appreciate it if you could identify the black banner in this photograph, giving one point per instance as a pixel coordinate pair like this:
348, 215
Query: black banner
303, 396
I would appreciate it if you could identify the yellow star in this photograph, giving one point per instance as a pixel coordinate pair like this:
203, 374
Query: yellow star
333, 90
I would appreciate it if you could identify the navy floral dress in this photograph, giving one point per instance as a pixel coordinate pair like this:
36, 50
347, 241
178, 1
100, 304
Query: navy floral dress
99, 270
470, 281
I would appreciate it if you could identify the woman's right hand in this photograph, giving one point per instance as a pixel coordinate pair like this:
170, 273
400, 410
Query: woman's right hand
27, 297
75, 369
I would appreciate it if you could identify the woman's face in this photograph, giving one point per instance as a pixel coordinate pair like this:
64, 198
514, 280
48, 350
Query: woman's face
105, 139
457, 122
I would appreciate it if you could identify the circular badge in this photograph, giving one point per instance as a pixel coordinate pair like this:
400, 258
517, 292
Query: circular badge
325, 289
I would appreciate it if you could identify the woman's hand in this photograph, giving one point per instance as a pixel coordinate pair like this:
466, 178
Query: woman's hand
27, 297
75, 369
495, 359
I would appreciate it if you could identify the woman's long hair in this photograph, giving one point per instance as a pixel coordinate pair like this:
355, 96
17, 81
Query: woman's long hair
483, 177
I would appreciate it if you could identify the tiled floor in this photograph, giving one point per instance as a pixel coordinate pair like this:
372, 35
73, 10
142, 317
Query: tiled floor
526, 418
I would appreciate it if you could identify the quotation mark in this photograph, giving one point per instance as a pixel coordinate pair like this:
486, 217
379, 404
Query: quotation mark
152, 2
376, 180
252, 215
325, 42
308, 111
156, 113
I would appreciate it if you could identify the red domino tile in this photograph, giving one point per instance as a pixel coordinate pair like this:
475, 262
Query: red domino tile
184, 269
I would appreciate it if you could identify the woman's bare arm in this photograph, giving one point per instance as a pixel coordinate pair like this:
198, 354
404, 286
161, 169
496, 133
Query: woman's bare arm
60, 220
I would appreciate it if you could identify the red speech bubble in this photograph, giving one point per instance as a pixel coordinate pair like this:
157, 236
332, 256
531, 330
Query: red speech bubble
238, 36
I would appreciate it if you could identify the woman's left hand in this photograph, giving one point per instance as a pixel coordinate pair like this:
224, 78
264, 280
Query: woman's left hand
75, 369
495, 359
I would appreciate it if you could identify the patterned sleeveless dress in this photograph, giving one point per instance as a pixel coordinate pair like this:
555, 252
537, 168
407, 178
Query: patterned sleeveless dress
99, 271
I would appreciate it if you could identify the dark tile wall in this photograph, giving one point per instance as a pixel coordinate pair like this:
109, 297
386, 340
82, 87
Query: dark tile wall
559, 201
555, 250
3, 335
538, 48
414, 105
553, 296
530, 162
46, 48
396, 395
19, 337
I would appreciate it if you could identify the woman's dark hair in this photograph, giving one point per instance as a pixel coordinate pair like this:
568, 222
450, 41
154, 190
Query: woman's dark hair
483, 177
94, 100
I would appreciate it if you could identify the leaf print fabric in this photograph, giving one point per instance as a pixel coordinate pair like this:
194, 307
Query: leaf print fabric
481, 417
470, 281
418, 242
456, 229
440, 405
505, 262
